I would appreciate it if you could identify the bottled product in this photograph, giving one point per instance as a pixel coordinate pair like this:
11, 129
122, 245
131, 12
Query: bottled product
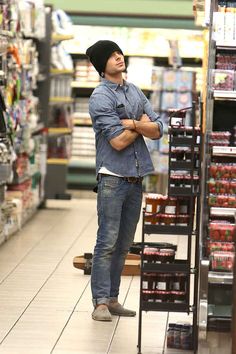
178, 296
149, 281
162, 296
180, 282
166, 255
164, 281
170, 335
186, 337
177, 332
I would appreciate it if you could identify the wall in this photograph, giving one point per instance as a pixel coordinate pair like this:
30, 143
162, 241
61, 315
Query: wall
142, 7
174, 14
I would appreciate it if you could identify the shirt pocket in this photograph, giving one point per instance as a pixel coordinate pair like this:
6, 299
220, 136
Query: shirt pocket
121, 111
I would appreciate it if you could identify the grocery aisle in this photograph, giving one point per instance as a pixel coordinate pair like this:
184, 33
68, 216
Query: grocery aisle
46, 303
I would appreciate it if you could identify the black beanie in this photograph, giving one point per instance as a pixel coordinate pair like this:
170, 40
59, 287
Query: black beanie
100, 52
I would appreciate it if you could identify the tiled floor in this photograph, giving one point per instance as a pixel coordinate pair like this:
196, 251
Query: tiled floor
45, 303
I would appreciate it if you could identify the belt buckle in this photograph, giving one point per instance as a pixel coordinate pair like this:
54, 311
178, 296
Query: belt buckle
132, 179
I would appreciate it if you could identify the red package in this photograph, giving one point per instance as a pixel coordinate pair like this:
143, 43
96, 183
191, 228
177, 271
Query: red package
221, 232
213, 246
222, 261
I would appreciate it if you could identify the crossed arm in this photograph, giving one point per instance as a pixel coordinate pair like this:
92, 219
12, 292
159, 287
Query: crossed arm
133, 129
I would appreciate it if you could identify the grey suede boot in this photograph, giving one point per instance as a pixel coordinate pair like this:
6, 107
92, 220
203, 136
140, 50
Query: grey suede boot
101, 313
117, 309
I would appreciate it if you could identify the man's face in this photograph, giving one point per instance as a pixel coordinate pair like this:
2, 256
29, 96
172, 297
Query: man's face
115, 64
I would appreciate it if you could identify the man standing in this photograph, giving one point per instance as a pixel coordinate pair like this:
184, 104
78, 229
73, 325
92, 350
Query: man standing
121, 117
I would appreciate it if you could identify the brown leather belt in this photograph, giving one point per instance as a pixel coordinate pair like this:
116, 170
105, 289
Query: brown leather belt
127, 179
133, 179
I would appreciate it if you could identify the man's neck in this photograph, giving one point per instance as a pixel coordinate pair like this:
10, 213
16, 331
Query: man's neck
117, 79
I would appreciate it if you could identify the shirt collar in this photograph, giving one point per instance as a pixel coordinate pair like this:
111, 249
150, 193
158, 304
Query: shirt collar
113, 85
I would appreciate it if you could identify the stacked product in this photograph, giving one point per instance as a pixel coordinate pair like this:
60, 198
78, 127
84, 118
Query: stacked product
22, 27
83, 142
224, 22
173, 89
221, 196
61, 102
85, 72
222, 185
164, 210
179, 336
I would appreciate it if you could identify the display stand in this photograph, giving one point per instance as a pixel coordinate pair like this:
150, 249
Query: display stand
216, 279
59, 122
178, 137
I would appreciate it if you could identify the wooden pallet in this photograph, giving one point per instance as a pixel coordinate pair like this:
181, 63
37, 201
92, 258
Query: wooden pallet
131, 267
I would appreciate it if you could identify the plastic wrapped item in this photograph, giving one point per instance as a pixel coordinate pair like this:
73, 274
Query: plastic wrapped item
220, 246
154, 202
219, 138
150, 254
166, 255
179, 336
168, 219
223, 80
221, 231
148, 295
223, 186
222, 200
178, 296
222, 261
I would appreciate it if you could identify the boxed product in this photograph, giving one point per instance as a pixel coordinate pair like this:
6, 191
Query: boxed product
218, 138
223, 80
218, 26
222, 200
213, 246
222, 261
222, 171
222, 186
222, 231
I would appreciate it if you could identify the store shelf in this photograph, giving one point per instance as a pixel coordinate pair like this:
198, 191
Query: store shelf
221, 95
82, 163
56, 37
57, 161
179, 266
81, 115
54, 71
89, 85
82, 121
181, 192
167, 229
180, 165
220, 278
220, 311
226, 45
92, 85
182, 141
224, 151
59, 130
218, 211
164, 306
61, 100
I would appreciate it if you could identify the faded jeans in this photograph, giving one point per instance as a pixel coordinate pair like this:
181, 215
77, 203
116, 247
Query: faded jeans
118, 208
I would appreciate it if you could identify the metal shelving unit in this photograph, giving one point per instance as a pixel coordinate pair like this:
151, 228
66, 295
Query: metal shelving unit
220, 107
189, 231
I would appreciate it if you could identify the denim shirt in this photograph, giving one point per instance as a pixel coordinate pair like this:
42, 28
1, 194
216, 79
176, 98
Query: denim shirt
108, 104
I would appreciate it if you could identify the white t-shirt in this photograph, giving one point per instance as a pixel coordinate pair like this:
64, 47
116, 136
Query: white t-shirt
105, 171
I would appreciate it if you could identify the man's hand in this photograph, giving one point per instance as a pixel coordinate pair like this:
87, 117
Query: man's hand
128, 124
144, 118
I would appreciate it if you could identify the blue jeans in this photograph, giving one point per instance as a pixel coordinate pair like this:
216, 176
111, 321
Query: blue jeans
118, 208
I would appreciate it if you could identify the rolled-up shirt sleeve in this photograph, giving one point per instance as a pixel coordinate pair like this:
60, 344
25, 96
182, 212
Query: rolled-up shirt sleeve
150, 113
104, 116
